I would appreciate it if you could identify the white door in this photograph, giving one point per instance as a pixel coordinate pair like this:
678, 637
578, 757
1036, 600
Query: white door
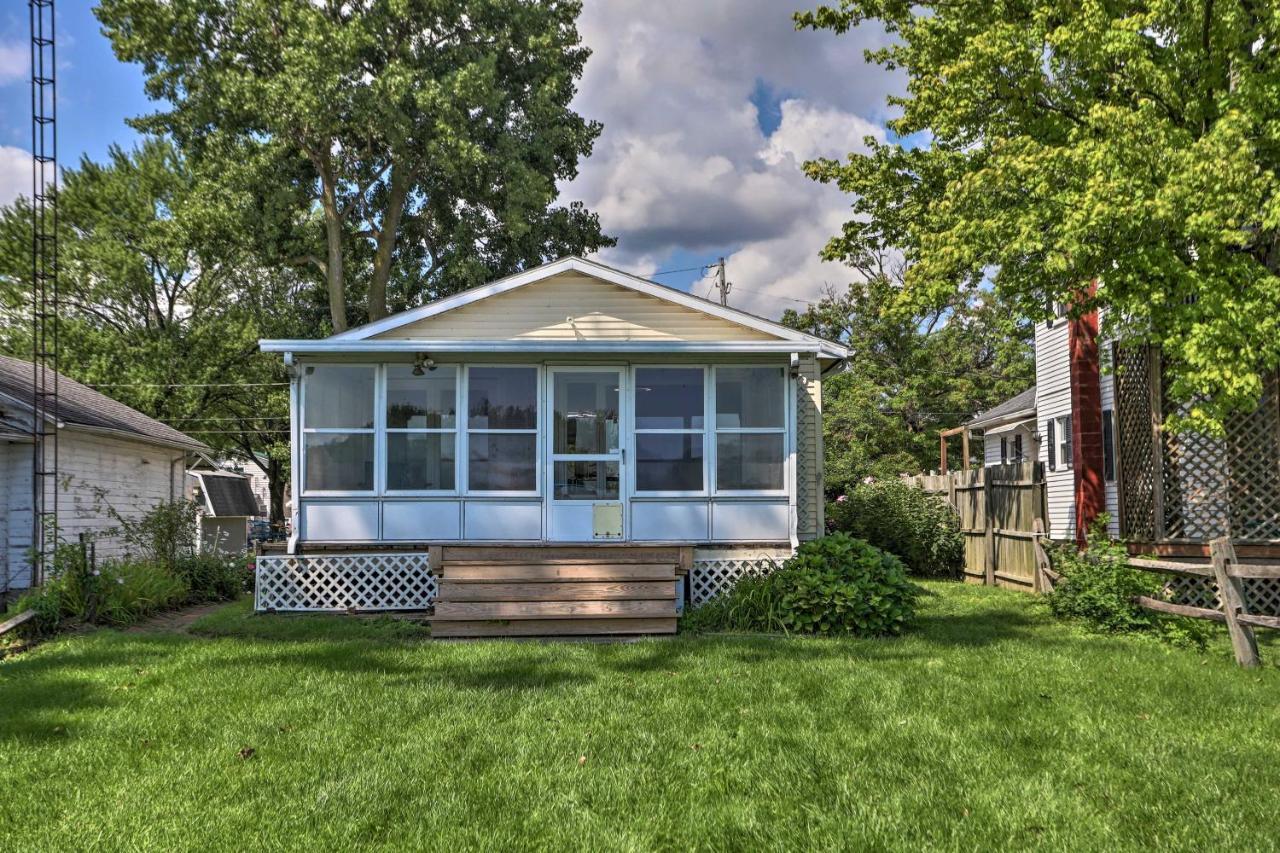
587, 454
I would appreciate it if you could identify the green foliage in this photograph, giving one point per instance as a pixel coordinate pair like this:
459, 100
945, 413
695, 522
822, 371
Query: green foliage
213, 577
1098, 588
920, 529
1043, 146
833, 585
165, 533
916, 371
394, 151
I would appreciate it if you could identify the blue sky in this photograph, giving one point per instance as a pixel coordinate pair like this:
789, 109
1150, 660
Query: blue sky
709, 109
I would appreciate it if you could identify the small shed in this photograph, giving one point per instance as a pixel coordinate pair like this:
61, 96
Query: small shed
227, 504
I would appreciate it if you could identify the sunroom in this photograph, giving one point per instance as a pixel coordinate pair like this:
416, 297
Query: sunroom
570, 405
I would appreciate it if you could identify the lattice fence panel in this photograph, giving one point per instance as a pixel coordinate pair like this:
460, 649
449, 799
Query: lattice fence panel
344, 582
1137, 459
709, 578
1253, 455
1261, 595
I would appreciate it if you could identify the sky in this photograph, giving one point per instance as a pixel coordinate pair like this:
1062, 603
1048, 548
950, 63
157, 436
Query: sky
709, 109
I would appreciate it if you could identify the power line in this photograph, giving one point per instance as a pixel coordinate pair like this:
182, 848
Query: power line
683, 269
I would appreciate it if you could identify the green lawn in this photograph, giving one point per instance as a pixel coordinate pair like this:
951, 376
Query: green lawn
990, 725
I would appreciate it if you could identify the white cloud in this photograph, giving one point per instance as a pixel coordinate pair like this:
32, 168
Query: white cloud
15, 173
683, 164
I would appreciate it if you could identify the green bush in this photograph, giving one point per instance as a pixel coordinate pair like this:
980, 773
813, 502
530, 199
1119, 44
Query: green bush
922, 530
1097, 587
834, 585
213, 577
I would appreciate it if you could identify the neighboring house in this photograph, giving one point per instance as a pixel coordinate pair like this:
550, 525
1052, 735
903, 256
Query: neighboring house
227, 505
1098, 415
568, 405
109, 455
1009, 430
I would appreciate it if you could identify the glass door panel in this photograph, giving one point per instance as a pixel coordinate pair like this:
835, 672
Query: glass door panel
586, 448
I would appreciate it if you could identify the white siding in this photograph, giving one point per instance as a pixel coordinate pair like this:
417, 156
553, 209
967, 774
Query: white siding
95, 472
1109, 402
991, 443
1053, 399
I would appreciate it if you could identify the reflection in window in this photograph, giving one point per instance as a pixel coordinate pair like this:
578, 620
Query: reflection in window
338, 462
421, 429
502, 429
586, 480
337, 427
502, 462
670, 407
502, 398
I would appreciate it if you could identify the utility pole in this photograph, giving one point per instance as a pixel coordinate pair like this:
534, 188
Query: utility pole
721, 285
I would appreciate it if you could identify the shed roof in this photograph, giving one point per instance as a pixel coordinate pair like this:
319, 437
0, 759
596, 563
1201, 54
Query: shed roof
227, 494
80, 405
1016, 407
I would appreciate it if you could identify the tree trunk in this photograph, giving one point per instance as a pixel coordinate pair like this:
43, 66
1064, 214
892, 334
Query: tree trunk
276, 484
333, 236
399, 192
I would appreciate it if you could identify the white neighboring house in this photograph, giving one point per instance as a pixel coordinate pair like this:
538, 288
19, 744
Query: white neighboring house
1009, 430
108, 455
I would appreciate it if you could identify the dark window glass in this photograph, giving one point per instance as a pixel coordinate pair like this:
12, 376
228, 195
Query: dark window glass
749, 461
586, 412
420, 461
588, 481
502, 398
669, 398
669, 462
338, 462
338, 397
421, 402
1108, 446
750, 398
502, 462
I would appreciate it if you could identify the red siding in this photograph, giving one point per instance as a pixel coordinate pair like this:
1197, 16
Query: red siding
1086, 422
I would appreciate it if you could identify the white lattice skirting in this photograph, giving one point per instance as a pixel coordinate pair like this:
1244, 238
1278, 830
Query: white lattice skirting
344, 582
711, 577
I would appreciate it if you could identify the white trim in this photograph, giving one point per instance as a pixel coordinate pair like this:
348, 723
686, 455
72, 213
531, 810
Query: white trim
596, 270
329, 346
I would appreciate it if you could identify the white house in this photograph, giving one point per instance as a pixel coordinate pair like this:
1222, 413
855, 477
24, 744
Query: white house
566, 408
109, 456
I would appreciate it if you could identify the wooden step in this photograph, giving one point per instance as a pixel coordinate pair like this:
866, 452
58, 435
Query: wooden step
552, 627
532, 572
549, 553
472, 590
477, 610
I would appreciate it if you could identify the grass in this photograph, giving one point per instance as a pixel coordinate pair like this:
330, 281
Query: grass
989, 726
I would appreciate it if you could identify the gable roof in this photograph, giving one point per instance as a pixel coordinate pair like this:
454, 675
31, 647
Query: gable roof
80, 405
757, 333
1018, 407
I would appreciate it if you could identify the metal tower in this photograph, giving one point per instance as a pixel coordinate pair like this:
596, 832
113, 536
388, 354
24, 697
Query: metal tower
44, 287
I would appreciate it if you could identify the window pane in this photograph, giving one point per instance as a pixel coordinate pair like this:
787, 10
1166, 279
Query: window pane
669, 398
502, 462
338, 462
587, 481
502, 398
421, 402
749, 461
339, 397
668, 463
586, 412
420, 461
750, 397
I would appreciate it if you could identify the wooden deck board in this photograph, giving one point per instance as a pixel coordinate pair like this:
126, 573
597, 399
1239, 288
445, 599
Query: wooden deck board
471, 590
539, 554
553, 627
529, 572
478, 610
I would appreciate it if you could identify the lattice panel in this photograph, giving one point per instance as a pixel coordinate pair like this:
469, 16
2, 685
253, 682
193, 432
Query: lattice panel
1261, 595
1253, 451
1197, 497
1134, 426
344, 582
709, 578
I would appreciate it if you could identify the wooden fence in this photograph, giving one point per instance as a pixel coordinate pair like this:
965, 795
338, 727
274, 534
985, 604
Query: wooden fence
1002, 518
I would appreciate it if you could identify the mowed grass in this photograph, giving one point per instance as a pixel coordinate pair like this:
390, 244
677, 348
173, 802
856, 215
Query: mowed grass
990, 725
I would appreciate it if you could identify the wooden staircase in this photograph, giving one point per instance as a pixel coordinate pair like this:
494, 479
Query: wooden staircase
532, 591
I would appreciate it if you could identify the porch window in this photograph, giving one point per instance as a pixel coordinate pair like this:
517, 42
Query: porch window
750, 429
337, 427
669, 429
421, 429
502, 429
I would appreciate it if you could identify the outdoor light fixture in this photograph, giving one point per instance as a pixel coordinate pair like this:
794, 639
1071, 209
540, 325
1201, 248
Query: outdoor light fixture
420, 361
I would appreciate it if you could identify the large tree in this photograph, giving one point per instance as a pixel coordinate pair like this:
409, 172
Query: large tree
912, 372
158, 310
397, 149
1046, 145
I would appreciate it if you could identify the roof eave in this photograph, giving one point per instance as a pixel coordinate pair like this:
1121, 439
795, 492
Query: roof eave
1011, 417
331, 346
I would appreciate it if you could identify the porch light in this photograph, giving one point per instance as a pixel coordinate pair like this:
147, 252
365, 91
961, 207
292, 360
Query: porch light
420, 361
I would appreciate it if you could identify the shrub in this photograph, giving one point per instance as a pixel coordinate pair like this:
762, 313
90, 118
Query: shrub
118, 592
922, 530
834, 585
213, 577
1097, 587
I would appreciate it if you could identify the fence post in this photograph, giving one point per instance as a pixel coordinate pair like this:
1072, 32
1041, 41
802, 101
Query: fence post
1231, 594
989, 530
1044, 576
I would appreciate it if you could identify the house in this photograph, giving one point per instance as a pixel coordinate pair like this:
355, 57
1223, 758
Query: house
226, 506
1009, 430
1097, 428
110, 457
569, 412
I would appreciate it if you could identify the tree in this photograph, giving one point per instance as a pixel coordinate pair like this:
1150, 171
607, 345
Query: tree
913, 373
158, 311
400, 149
1045, 146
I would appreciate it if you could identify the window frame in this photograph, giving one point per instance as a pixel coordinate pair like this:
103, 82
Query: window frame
1063, 441
384, 434
308, 370
786, 431
465, 431
1109, 460
708, 412
549, 422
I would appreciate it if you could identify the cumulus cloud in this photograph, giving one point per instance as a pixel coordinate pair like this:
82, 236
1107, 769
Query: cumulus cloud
15, 61
15, 173
688, 163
